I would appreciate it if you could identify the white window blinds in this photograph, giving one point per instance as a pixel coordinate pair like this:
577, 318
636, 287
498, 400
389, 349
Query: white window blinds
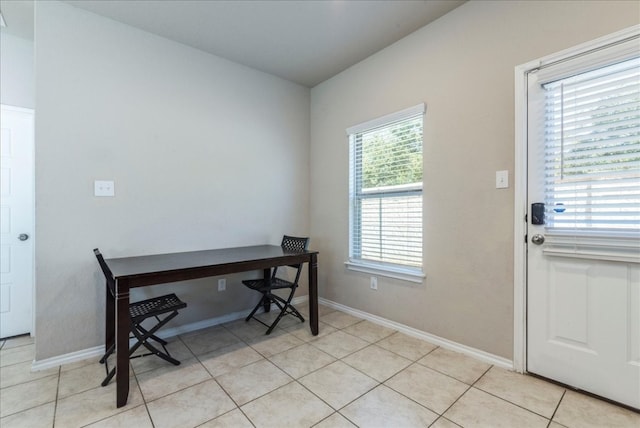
592, 150
386, 191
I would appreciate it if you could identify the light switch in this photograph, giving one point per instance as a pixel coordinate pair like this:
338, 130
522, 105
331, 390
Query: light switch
502, 179
103, 188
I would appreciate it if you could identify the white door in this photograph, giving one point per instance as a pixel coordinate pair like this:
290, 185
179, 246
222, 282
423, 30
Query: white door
16, 221
583, 263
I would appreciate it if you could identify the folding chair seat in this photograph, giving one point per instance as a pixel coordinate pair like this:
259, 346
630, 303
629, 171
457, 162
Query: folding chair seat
266, 288
167, 305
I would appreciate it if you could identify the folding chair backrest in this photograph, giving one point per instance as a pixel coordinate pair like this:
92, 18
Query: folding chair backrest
293, 243
111, 283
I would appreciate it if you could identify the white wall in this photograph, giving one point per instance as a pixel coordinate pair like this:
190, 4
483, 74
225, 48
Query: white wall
462, 67
205, 153
16, 71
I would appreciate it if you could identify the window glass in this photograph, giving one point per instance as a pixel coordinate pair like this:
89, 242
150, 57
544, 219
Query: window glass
386, 193
592, 149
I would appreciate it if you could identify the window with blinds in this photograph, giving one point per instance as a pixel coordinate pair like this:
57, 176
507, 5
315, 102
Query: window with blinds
386, 191
592, 150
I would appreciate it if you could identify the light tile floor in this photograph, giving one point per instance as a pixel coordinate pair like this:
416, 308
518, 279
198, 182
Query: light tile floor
355, 373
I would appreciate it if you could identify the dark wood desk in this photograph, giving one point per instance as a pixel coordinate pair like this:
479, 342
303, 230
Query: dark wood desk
131, 272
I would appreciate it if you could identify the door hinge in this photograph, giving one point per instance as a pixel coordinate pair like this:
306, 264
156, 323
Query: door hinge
525, 239
526, 219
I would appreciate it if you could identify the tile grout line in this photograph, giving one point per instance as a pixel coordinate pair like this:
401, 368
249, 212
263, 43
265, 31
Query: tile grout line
279, 368
380, 383
462, 395
267, 358
512, 403
337, 411
516, 404
413, 362
144, 400
28, 381
556, 409
336, 360
447, 374
55, 403
412, 399
196, 357
237, 406
55, 400
245, 342
17, 347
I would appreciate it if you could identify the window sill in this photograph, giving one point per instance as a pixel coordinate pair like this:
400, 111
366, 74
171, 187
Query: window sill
396, 272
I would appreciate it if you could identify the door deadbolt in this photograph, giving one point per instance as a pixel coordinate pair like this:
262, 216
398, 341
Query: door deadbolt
23, 237
537, 213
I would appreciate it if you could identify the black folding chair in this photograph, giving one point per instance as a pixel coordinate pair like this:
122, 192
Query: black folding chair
138, 312
289, 243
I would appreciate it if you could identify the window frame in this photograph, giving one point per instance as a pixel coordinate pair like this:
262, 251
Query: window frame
398, 271
573, 191
611, 244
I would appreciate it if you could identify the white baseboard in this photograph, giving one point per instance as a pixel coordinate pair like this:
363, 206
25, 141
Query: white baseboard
69, 358
187, 328
410, 331
97, 351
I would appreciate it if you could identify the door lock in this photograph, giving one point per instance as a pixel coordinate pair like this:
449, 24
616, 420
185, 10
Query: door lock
537, 239
537, 213
23, 237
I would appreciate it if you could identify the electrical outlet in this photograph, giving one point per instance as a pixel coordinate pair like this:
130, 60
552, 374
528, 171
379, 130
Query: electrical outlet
222, 284
103, 188
374, 283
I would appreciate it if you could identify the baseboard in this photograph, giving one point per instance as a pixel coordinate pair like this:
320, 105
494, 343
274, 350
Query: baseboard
410, 331
97, 351
69, 358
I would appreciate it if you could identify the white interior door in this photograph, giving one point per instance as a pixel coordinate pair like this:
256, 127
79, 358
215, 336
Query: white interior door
16, 221
583, 263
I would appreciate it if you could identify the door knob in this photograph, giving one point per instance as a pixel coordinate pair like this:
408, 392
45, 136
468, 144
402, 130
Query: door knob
23, 237
537, 239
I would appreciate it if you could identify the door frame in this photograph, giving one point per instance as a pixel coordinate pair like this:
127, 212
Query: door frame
32, 207
520, 182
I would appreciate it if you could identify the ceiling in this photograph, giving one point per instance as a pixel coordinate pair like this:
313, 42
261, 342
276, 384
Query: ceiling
304, 41
19, 18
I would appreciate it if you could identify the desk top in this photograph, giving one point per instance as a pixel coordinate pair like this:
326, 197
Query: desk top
157, 263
